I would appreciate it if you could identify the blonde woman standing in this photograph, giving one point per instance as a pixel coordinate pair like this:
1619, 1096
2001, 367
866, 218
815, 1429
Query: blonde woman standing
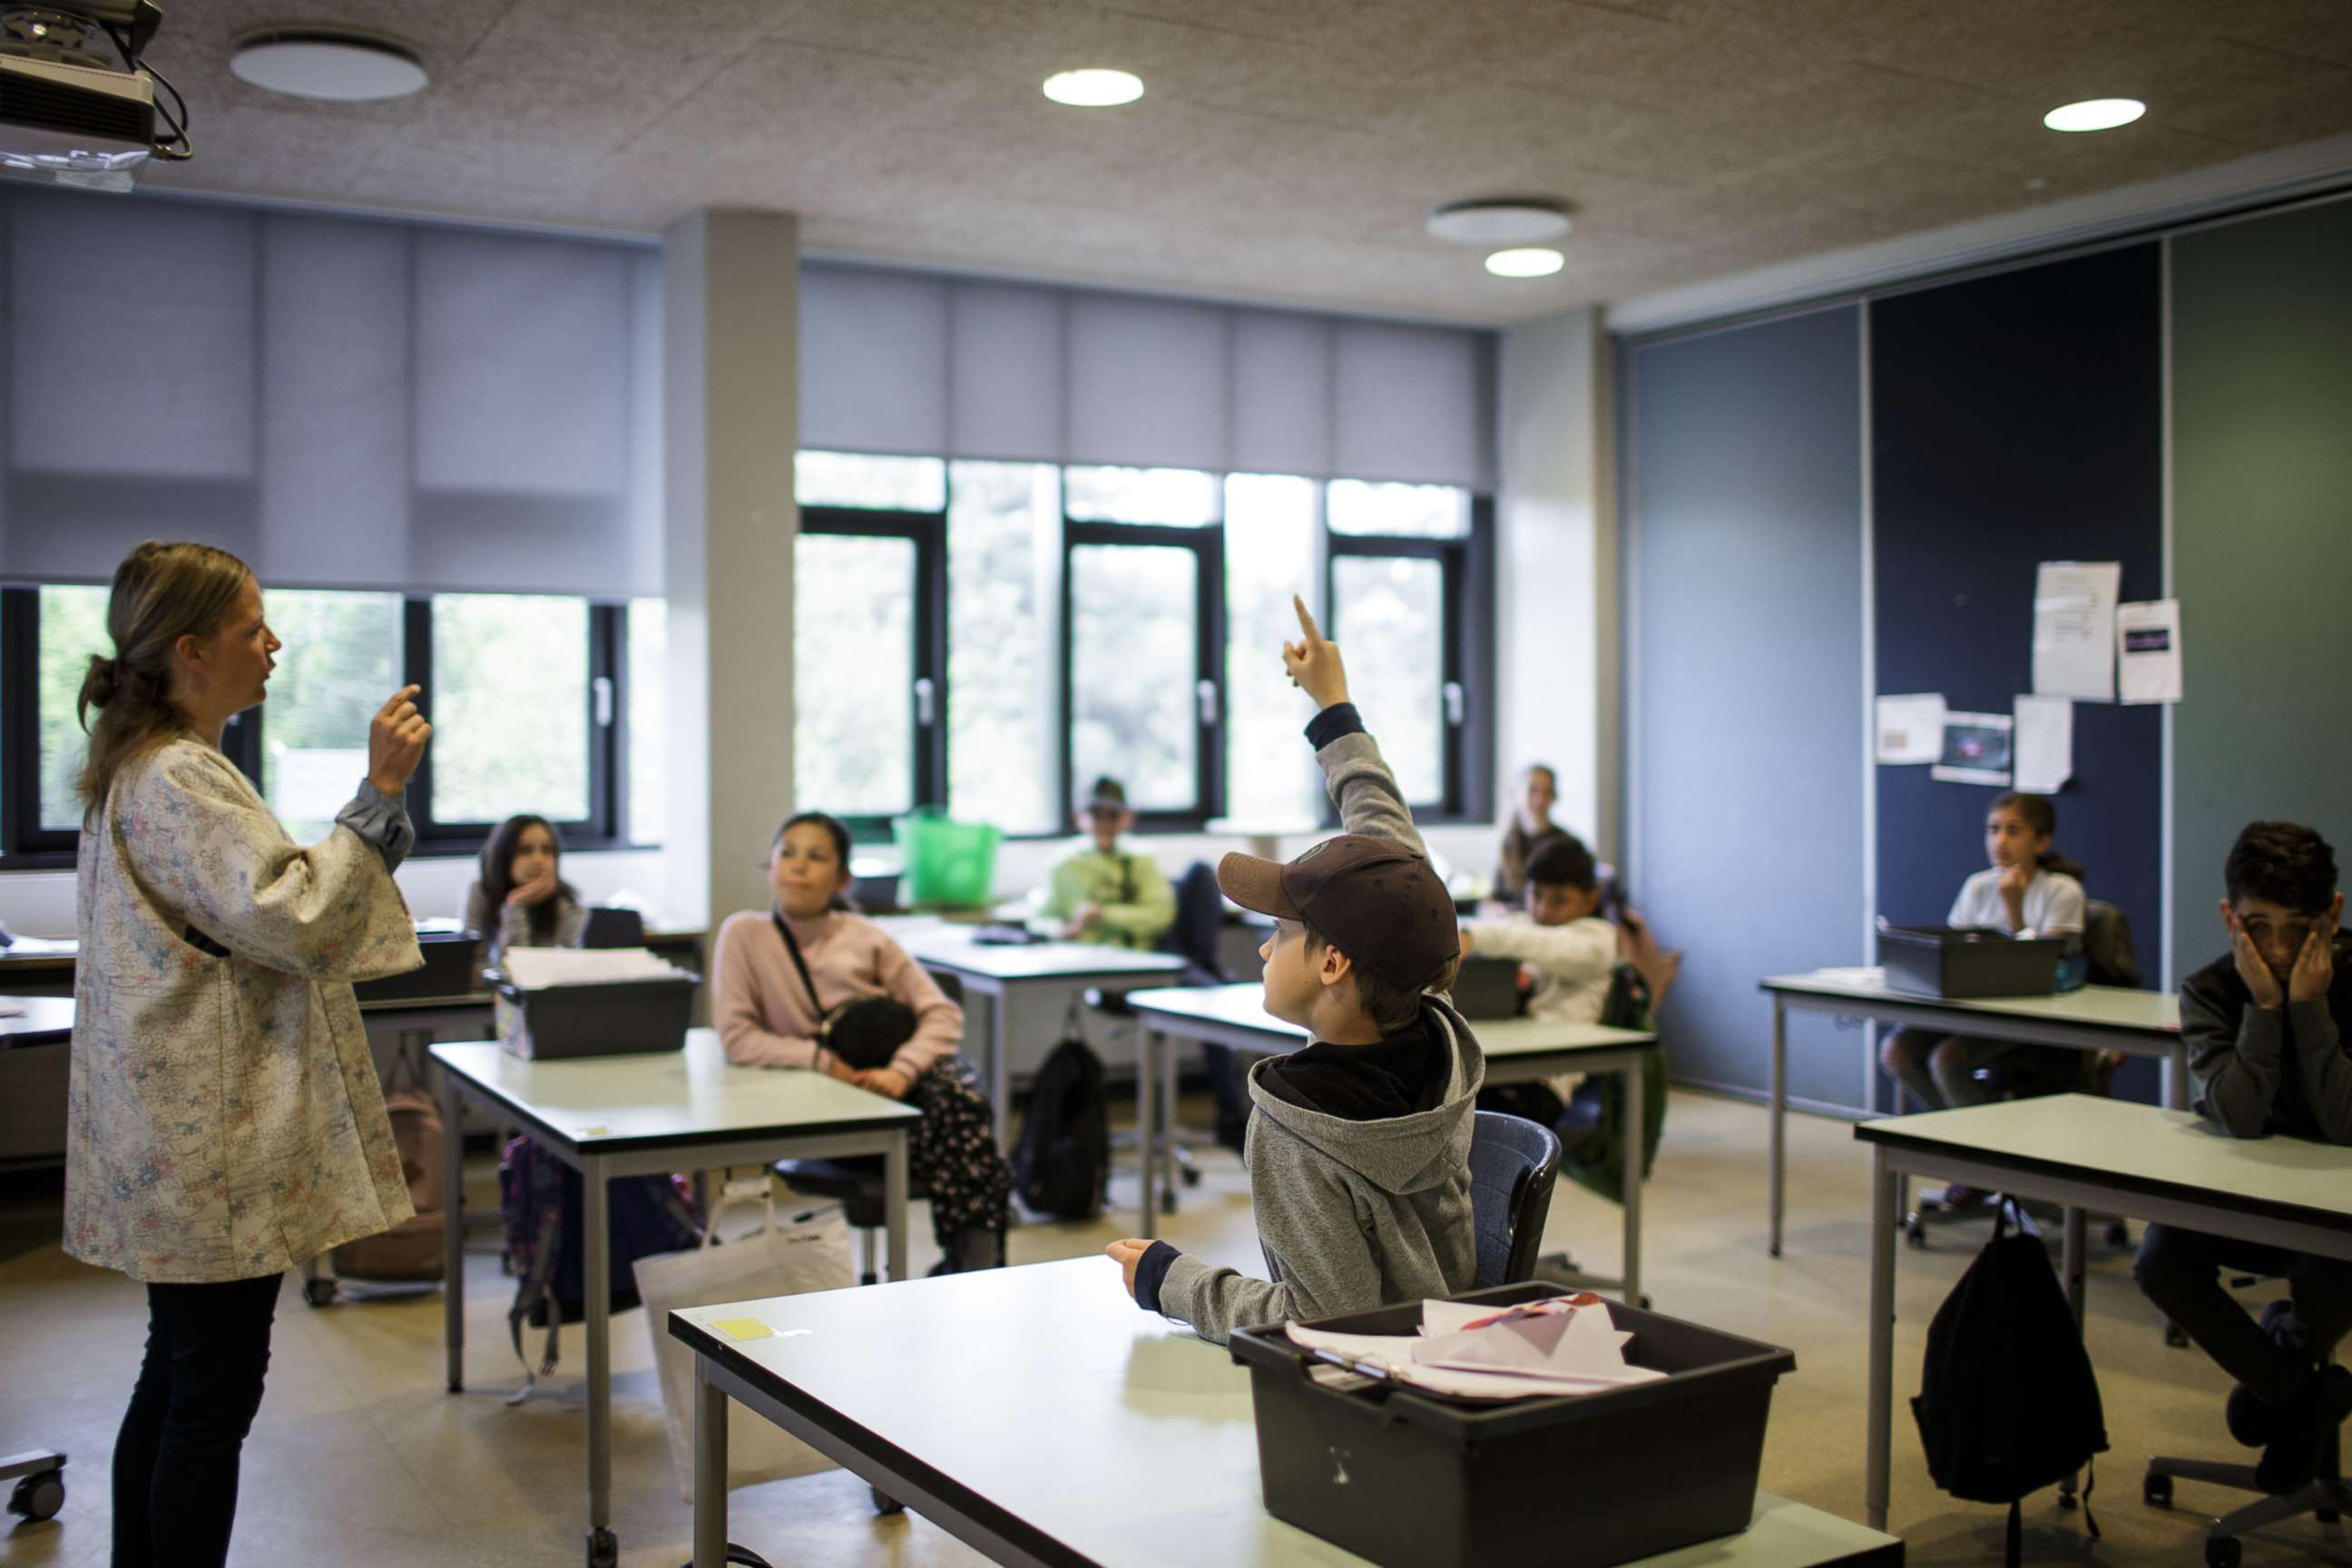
224, 1121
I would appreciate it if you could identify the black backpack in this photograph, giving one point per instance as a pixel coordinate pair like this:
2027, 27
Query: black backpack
1061, 1166
2008, 1404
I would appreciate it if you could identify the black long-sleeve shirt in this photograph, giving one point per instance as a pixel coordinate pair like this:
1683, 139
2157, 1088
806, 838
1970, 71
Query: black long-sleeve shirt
2282, 1070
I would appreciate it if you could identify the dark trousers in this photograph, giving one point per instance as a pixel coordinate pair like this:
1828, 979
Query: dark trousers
2181, 1272
176, 1459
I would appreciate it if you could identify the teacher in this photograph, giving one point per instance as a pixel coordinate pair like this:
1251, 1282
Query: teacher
224, 1121
1531, 826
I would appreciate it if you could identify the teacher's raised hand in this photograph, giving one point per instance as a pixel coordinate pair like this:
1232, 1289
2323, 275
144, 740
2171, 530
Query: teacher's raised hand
397, 740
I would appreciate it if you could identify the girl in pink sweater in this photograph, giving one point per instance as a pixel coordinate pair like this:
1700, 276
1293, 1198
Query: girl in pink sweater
767, 1017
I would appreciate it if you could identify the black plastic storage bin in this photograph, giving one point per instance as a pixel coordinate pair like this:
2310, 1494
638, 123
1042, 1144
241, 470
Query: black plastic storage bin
556, 1023
1412, 1481
448, 971
1959, 963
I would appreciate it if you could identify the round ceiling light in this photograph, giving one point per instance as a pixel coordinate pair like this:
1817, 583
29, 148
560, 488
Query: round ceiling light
1499, 220
339, 64
2095, 114
1094, 88
1526, 261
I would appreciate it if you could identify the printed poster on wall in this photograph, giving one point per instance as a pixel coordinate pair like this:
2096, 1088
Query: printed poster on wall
1976, 750
2148, 651
1911, 728
2074, 629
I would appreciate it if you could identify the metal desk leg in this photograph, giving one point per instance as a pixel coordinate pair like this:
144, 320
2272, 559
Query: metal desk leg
1882, 1339
709, 1468
453, 1234
1167, 1121
1637, 1117
1780, 1155
2175, 1073
894, 1207
1147, 1149
596, 1281
999, 1067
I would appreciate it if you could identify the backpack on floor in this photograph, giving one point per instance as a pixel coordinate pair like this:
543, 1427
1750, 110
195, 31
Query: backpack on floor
2007, 1402
1061, 1165
410, 1250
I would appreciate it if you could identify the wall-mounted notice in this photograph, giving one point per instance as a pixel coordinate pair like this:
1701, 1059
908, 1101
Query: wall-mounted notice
2074, 629
2148, 650
1911, 728
1975, 749
2043, 744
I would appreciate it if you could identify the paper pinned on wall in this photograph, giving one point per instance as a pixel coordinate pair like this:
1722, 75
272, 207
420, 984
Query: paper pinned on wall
1911, 728
2148, 645
2074, 629
1975, 749
2042, 744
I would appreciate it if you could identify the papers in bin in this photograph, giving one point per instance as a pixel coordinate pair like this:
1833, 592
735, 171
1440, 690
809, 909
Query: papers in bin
534, 968
1566, 1344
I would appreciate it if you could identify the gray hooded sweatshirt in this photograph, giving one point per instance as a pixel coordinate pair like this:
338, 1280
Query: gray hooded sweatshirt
1351, 1214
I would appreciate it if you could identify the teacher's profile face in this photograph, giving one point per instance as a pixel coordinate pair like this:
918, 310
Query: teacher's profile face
242, 653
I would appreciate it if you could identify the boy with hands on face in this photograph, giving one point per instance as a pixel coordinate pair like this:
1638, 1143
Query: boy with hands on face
1359, 1143
2266, 1028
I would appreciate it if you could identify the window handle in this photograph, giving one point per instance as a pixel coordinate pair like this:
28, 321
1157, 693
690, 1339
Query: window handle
925, 702
1453, 703
1206, 691
600, 689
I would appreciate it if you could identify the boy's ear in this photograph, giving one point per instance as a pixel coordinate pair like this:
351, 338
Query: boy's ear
1335, 966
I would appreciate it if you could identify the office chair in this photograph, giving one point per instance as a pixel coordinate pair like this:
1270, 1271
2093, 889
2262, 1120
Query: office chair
608, 927
1514, 1163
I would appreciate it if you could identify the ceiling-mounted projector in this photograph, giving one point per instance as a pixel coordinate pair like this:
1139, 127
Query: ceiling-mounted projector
77, 106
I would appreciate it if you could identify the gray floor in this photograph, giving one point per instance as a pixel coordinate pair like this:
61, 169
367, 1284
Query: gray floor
361, 1458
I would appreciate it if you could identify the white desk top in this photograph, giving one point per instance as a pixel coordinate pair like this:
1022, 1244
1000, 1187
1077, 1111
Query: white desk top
2139, 1147
951, 946
39, 1016
601, 1104
2093, 1007
1242, 1007
1061, 1410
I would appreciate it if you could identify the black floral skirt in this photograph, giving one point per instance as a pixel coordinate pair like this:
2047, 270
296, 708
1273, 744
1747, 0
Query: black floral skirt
952, 1151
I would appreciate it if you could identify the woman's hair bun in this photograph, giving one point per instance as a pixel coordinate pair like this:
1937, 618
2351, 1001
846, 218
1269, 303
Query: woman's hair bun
104, 678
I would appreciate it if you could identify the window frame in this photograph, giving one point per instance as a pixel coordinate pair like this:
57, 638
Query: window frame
927, 723
1207, 543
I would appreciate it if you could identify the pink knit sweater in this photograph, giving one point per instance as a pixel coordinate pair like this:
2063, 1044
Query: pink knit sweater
762, 1010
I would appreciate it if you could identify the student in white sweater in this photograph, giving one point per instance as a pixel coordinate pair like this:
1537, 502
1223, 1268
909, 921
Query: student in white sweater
1566, 950
2029, 889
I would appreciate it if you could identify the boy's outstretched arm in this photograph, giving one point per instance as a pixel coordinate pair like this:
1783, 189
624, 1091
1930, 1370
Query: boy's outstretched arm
1369, 799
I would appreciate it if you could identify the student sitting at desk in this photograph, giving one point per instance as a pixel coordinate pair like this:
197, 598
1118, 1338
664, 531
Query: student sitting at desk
1358, 1145
2266, 1028
522, 900
2029, 889
777, 974
1102, 893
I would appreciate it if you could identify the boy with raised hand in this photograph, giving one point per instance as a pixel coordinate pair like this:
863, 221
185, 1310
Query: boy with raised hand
1358, 1144
2266, 1029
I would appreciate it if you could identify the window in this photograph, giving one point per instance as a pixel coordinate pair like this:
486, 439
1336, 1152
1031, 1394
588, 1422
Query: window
72, 628
1400, 512
867, 744
649, 717
341, 659
1003, 691
1390, 612
509, 697
1270, 555
1173, 498
880, 483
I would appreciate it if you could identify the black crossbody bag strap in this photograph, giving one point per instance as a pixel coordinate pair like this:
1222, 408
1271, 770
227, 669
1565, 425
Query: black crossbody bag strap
800, 963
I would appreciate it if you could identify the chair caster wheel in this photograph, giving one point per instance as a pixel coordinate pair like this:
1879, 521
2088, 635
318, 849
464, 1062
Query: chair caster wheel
2157, 1491
885, 1504
2068, 1502
1167, 1202
2223, 1551
319, 1292
2175, 1336
39, 1497
2118, 1234
604, 1549
1915, 1232
1191, 1177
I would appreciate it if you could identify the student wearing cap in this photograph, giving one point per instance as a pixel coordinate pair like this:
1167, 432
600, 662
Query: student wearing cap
1102, 893
1358, 1144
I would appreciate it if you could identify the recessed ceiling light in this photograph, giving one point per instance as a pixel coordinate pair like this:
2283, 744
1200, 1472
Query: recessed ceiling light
1527, 261
1499, 220
342, 64
1094, 88
2095, 114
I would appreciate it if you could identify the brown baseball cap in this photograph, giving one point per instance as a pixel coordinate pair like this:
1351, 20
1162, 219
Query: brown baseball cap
1381, 903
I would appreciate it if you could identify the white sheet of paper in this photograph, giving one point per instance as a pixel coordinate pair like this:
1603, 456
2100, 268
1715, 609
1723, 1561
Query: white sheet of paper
2074, 629
2042, 748
2148, 645
1911, 728
1975, 749
532, 967
10, 1009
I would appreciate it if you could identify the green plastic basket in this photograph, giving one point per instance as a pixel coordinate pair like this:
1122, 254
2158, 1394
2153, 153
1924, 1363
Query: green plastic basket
948, 864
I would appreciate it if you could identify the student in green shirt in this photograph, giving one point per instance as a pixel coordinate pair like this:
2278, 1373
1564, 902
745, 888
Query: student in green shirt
1102, 893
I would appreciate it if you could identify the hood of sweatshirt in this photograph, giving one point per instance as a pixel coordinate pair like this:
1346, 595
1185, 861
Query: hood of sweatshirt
1399, 1154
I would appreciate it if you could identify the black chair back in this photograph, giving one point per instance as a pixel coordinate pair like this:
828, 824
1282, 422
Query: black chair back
1513, 1164
1198, 933
612, 928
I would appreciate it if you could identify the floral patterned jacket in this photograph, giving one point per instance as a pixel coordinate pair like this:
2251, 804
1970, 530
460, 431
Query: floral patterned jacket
224, 1120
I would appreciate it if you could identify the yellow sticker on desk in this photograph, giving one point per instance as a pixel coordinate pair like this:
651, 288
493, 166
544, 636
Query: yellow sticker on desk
743, 1328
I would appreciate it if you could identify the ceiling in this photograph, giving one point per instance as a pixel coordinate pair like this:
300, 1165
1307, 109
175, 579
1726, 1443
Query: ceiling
1285, 149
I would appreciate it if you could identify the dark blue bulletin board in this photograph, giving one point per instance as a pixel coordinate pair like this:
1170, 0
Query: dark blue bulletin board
2017, 418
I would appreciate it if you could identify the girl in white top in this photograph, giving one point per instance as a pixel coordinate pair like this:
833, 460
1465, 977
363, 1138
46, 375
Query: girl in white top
2029, 889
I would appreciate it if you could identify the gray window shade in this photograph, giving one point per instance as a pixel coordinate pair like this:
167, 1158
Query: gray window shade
1282, 394
1147, 383
1413, 404
874, 361
1005, 360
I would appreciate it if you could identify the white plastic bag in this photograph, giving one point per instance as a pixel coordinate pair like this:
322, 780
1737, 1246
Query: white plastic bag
775, 1260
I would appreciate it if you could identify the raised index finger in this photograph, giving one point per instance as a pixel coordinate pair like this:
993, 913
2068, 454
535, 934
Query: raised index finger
395, 699
1306, 619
